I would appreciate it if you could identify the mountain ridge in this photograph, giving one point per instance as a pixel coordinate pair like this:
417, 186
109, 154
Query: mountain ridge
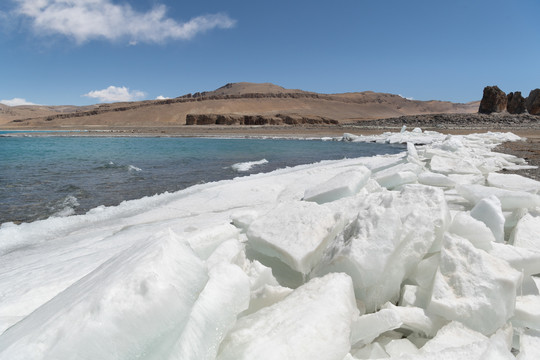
242, 98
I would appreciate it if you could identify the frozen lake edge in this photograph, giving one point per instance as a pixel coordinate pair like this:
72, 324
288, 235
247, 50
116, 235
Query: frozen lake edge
249, 268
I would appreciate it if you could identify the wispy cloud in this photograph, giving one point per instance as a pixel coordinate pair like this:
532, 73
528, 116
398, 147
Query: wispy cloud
85, 20
161, 97
406, 98
6, 21
16, 102
115, 93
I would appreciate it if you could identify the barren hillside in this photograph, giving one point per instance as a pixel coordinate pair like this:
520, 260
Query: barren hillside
238, 99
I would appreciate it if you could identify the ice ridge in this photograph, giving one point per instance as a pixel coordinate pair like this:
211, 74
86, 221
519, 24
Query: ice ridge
427, 254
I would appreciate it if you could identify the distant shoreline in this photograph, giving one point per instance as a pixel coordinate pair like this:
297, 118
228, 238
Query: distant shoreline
524, 125
444, 122
529, 149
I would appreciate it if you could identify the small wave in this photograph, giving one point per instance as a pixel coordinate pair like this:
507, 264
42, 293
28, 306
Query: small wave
66, 207
133, 168
246, 166
109, 165
113, 165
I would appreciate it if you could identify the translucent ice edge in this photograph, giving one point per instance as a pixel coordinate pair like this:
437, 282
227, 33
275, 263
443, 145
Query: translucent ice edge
420, 255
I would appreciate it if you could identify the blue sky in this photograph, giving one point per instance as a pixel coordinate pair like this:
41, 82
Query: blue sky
79, 52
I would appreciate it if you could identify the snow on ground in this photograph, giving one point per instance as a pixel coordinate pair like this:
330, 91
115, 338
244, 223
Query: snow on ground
427, 254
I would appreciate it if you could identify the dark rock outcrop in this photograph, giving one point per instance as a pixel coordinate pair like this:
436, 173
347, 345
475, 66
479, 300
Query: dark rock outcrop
516, 103
235, 119
533, 102
494, 100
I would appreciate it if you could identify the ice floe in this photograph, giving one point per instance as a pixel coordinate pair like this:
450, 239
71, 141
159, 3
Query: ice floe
426, 254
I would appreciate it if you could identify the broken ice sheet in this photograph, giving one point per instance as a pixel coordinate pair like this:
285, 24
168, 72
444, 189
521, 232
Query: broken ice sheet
204, 294
473, 287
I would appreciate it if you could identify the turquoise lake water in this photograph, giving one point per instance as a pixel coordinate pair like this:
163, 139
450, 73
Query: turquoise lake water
61, 176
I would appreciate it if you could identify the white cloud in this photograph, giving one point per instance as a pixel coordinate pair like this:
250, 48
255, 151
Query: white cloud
161, 97
16, 102
85, 20
3, 18
407, 98
115, 93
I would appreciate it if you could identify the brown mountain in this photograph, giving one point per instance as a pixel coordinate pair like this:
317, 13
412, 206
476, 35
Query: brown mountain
234, 100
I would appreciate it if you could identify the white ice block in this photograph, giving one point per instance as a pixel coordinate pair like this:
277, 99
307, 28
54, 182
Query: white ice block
205, 241
242, 218
313, 322
512, 218
452, 335
509, 199
225, 295
467, 179
414, 137
259, 275
265, 289
367, 327
230, 251
513, 182
398, 179
417, 319
398, 175
473, 230
536, 281
425, 271
342, 185
435, 179
453, 165
398, 347
526, 234
451, 144
523, 260
488, 210
390, 236
412, 155
527, 312
529, 286
431, 202
458, 342
473, 287
266, 295
529, 345
414, 296
294, 232
127, 306
370, 351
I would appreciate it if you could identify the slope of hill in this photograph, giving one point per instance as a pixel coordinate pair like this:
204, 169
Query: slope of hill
237, 99
10, 113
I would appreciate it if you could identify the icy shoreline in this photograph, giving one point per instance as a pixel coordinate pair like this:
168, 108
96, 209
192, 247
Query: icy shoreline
305, 262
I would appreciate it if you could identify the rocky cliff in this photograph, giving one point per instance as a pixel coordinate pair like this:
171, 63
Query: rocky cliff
233, 119
495, 100
533, 102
